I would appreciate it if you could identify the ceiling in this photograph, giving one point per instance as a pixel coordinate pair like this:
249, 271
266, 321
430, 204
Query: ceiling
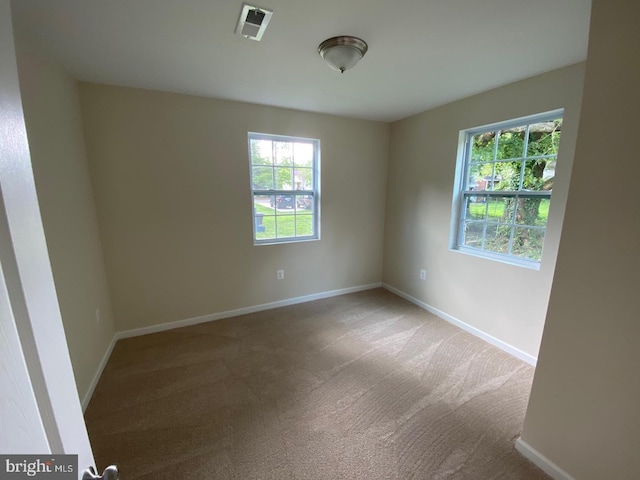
422, 53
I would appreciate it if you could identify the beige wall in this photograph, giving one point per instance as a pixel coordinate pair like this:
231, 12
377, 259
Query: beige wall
171, 178
584, 410
54, 128
502, 300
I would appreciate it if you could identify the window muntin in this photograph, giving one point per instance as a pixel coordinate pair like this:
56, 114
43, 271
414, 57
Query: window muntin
504, 195
285, 186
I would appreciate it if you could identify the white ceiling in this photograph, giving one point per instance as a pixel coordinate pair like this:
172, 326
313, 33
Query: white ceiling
422, 53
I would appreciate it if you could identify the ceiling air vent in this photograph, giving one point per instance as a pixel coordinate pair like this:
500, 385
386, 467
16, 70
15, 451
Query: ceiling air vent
253, 22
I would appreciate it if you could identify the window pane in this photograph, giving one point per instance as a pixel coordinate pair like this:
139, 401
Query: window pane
475, 207
497, 238
533, 211
480, 175
286, 225
263, 204
303, 178
284, 153
501, 209
282, 202
544, 138
527, 243
265, 226
303, 154
261, 152
473, 176
263, 217
304, 225
284, 178
534, 175
304, 204
508, 176
262, 178
549, 175
483, 147
473, 232
511, 143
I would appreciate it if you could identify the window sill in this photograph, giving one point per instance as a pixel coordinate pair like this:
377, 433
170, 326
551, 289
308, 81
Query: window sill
274, 241
496, 257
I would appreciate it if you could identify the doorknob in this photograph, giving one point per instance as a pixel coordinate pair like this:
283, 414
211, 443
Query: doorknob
110, 473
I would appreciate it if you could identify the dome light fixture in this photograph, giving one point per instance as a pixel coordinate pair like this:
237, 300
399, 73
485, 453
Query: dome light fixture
342, 53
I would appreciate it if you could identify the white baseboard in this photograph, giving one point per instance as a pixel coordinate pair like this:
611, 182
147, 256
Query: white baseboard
546, 465
103, 363
242, 311
516, 352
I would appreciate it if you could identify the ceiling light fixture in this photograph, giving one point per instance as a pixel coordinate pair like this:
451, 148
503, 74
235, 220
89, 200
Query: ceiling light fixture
342, 53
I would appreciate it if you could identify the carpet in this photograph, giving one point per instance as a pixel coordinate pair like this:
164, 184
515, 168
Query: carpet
360, 386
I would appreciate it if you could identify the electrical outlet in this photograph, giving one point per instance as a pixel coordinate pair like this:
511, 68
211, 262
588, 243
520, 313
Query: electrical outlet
423, 274
98, 315
280, 274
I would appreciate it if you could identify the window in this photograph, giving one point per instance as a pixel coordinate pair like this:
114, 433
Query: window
285, 185
506, 175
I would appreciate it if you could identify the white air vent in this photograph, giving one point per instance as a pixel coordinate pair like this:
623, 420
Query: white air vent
253, 22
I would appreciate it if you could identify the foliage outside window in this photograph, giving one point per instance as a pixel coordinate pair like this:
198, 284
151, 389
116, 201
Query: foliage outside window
284, 186
505, 191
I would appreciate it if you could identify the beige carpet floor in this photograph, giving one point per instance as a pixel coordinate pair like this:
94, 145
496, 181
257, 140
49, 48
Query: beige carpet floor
361, 386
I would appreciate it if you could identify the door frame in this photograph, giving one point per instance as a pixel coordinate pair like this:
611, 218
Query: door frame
40, 402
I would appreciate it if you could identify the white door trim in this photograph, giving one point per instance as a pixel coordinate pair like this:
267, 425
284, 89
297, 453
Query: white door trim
28, 293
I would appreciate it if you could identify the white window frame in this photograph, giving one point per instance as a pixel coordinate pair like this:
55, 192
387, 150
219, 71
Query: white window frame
461, 189
314, 193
